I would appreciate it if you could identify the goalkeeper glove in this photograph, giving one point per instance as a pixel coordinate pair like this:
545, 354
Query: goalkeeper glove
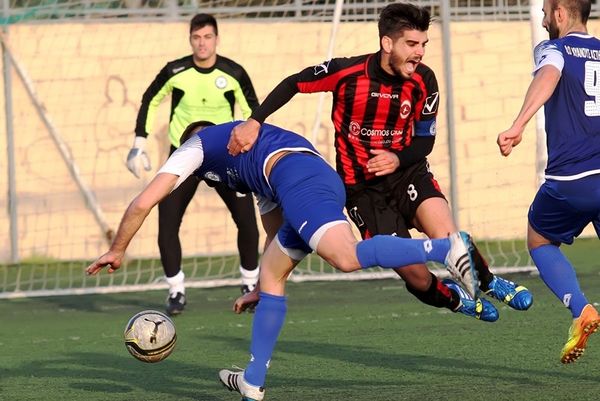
137, 157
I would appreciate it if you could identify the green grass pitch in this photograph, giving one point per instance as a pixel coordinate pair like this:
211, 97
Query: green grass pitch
342, 341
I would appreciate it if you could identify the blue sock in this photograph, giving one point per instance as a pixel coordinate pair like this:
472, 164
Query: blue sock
266, 325
390, 252
558, 274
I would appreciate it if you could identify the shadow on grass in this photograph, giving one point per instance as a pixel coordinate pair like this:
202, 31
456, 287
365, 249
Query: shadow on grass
406, 363
120, 377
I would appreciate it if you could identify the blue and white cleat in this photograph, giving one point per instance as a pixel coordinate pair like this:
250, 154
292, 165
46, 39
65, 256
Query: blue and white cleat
514, 295
460, 263
234, 381
480, 309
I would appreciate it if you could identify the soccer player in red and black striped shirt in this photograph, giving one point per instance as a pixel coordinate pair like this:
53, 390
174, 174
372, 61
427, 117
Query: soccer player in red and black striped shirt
384, 113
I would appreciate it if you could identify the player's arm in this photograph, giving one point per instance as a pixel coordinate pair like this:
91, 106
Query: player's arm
153, 96
386, 162
178, 167
246, 96
549, 63
132, 220
245, 134
321, 78
541, 88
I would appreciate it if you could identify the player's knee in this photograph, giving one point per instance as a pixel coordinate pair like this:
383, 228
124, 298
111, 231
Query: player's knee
343, 261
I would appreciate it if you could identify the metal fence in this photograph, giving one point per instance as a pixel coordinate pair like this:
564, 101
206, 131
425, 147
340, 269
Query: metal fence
14, 11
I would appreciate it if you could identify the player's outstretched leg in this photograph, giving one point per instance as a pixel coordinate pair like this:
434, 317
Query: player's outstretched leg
514, 295
460, 264
234, 381
581, 329
479, 308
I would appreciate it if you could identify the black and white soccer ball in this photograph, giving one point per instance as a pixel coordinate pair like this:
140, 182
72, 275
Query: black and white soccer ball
150, 336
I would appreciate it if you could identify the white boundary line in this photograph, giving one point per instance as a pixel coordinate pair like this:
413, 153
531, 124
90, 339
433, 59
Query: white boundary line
295, 278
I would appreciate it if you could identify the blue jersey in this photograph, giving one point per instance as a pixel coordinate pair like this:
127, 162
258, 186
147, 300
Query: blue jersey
205, 155
573, 111
308, 190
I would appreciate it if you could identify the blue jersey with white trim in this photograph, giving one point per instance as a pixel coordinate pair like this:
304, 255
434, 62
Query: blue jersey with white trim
245, 172
573, 111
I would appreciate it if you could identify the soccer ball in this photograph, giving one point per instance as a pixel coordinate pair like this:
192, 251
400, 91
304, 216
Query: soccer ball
150, 336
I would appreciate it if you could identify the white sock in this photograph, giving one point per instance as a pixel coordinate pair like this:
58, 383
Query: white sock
249, 277
176, 283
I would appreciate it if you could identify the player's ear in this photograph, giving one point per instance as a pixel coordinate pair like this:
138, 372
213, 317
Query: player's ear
560, 13
386, 44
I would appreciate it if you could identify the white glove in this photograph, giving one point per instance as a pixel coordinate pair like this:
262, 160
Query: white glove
137, 157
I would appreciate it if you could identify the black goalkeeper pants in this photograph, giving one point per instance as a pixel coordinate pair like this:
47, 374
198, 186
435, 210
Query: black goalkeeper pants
170, 215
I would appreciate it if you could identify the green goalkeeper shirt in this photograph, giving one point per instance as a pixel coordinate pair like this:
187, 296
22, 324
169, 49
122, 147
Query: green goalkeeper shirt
198, 94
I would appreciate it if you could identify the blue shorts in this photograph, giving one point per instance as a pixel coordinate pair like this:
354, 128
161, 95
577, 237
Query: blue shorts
311, 196
562, 209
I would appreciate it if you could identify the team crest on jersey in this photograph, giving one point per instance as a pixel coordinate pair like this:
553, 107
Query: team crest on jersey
212, 176
221, 82
323, 67
354, 128
432, 129
405, 108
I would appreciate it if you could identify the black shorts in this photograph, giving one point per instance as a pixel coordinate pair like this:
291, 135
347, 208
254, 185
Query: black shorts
388, 204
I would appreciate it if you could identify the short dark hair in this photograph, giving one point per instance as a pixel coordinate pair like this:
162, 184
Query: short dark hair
202, 20
193, 128
576, 8
396, 18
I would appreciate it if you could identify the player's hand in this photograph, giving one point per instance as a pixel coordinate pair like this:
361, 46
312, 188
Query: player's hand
246, 301
243, 137
111, 259
384, 162
508, 139
137, 157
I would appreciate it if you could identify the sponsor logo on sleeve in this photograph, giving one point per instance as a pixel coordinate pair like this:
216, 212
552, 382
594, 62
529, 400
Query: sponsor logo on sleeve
432, 128
322, 68
431, 104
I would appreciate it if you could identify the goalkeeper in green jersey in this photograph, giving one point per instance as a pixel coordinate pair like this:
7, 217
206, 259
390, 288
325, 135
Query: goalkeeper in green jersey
203, 86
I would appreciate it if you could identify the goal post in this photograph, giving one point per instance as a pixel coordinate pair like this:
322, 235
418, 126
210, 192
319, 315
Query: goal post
90, 65
60, 143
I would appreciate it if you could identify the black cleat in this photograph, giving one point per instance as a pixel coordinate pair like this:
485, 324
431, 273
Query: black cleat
175, 304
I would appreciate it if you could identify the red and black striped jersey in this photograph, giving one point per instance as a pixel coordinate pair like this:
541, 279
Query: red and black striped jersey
371, 109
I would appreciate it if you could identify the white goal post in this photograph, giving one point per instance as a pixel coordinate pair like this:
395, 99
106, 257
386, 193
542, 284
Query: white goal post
76, 87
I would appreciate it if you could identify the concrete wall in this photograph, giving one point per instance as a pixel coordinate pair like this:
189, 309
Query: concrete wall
90, 79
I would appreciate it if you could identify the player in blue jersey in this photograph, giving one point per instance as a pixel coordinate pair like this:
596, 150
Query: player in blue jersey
567, 84
286, 173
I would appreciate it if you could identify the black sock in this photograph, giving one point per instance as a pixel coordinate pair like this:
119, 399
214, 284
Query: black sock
438, 295
483, 271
